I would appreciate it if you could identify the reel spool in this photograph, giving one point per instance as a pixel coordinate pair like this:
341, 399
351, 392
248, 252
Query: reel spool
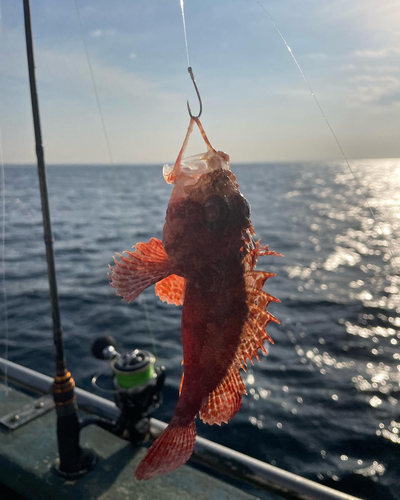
133, 369
137, 387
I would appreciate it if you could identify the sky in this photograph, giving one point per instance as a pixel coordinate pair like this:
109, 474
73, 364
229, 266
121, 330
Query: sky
256, 105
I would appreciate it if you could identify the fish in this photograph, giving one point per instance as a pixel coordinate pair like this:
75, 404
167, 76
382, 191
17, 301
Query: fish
206, 263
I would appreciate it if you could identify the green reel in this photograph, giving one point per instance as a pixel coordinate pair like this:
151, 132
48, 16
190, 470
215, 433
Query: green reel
133, 369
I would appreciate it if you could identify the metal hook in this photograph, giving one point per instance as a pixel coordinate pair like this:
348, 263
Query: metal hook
198, 95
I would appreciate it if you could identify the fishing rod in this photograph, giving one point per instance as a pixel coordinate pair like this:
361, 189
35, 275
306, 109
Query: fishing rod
74, 461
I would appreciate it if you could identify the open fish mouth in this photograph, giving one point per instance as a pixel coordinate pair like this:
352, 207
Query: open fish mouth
196, 165
188, 170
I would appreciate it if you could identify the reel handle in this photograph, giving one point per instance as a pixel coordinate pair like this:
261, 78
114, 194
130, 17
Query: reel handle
104, 347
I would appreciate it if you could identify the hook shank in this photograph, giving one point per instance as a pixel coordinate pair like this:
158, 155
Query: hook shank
198, 95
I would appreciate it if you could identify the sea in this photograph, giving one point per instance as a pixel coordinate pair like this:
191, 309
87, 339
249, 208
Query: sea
324, 403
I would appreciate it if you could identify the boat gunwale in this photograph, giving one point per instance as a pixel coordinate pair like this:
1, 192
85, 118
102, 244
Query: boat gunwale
215, 456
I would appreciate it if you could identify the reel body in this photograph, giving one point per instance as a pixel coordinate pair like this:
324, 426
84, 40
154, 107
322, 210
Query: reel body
137, 388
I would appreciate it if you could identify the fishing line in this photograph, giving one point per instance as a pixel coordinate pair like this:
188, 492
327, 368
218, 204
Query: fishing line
3, 241
95, 91
3, 263
190, 70
187, 53
341, 151
142, 302
107, 141
333, 134
182, 4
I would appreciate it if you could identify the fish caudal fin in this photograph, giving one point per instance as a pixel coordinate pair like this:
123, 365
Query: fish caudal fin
172, 289
140, 269
223, 403
171, 450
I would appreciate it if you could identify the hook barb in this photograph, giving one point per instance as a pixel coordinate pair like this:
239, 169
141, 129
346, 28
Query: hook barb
198, 95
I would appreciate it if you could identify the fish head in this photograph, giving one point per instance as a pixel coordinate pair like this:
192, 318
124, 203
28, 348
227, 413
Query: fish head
207, 216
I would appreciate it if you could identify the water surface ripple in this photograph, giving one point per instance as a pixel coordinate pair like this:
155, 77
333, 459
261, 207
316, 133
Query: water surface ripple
325, 402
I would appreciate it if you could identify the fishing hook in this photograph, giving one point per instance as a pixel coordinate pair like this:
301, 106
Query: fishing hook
198, 95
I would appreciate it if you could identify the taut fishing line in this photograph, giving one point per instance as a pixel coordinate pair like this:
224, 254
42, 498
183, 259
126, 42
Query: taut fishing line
108, 145
3, 241
182, 4
187, 54
333, 134
92, 79
3, 251
361, 190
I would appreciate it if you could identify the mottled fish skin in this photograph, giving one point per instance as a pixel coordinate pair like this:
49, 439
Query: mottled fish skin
209, 254
205, 262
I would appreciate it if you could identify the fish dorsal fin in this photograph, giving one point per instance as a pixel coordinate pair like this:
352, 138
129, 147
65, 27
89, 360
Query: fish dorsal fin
225, 400
222, 404
138, 270
172, 289
253, 333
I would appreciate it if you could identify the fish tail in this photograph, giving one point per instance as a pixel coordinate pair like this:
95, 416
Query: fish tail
170, 450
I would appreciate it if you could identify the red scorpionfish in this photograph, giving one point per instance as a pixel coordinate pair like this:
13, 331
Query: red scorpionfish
206, 263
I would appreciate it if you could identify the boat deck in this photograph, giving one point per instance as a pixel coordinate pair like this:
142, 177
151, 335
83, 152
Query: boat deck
28, 455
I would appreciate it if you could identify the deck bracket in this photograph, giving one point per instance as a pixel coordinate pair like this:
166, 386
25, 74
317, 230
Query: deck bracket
28, 412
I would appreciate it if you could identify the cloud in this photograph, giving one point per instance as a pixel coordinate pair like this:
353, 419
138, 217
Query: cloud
374, 79
96, 33
69, 71
374, 85
382, 69
99, 32
391, 98
386, 52
132, 55
347, 67
378, 92
317, 56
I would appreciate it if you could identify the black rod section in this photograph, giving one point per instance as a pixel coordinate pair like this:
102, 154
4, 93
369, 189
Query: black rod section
48, 236
74, 461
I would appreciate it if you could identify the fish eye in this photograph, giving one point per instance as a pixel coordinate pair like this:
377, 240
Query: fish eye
215, 209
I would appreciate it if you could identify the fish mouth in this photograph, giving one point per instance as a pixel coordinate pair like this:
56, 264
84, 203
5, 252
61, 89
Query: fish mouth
189, 170
197, 165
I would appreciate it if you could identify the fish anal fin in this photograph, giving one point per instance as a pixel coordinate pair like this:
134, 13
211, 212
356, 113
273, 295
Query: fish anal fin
226, 399
172, 289
138, 270
171, 450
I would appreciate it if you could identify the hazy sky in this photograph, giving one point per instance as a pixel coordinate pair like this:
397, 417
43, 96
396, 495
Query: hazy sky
256, 104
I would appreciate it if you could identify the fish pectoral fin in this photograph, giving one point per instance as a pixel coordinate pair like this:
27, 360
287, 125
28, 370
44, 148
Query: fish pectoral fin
138, 270
172, 289
225, 400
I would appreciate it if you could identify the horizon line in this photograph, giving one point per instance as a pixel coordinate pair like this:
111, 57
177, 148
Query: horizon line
156, 164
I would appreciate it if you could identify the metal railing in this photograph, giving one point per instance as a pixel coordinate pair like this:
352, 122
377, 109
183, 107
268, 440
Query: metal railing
215, 456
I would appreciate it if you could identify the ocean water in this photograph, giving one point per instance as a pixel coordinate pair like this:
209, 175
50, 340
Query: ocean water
325, 402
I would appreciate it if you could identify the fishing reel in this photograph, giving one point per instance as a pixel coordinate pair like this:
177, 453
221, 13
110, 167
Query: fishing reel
137, 386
